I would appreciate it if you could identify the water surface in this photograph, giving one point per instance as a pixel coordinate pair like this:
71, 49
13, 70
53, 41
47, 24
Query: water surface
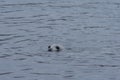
89, 30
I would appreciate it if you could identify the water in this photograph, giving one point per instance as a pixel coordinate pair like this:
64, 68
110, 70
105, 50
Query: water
88, 29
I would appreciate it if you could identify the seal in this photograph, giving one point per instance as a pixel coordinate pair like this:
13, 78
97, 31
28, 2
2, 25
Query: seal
55, 47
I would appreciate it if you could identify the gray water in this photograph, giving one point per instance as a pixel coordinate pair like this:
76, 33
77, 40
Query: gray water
88, 29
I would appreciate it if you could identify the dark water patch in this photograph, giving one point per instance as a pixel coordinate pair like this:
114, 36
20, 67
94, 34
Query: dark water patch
94, 27
14, 18
46, 27
29, 21
22, 41
117, 4
45, 73
41, 15
24, 54
2, 1
88, 6
67, 6
108, 65
38, 21
43, 36
27, 54
43, 54
104, 3
5, 55
5, 22
3, 43
75, 29
26, 30
96, 5
5, 73
6, 34
20, 4
52, 24
60, 19
66, 33
18, 36
11, 11
68, 18
109, 53
65, 60
17, 53
61, 6
116, 33
44, 62
99, 65
52, 20
106, 17
19, 77
27, 69
69, 74
16, 47
85, 13
10, 38
20, 59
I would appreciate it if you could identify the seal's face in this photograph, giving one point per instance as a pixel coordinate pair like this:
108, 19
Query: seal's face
49, 48
54, 47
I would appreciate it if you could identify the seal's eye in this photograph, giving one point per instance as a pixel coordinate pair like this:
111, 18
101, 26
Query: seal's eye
57, 47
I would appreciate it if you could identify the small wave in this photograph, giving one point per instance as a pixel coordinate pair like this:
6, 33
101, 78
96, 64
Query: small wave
5, 55
6, 34
19, 76
22, 4
5, 73
45, 73
9, 38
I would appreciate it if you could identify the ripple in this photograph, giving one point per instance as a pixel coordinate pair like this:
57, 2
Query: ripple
45, 73
76, 29
47, 27
22, 4
100, 65
69, 74
41, 15
16, 47
20, 59
5, 73
94, 27
10, 38
11, 11
26, 30
18, 76
22, 40
14, 17
28, 54
109, 53
43, 62
3, 43
6, 34
5, 55
27, 69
